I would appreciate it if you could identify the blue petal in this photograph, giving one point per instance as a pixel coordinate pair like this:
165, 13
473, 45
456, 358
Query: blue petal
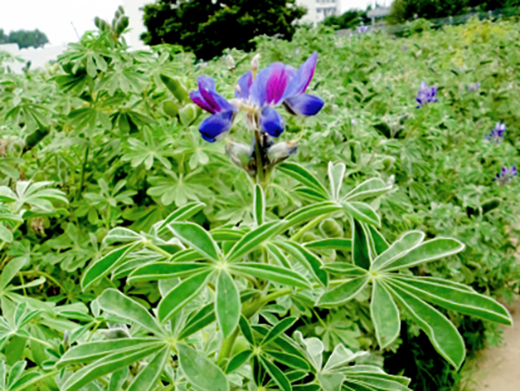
271, 122
212, 127
270, 84
302, 77
244, 85
304, 104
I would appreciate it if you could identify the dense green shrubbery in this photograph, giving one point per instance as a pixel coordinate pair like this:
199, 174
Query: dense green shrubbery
403, 10
348, 20
102, 147
208, 28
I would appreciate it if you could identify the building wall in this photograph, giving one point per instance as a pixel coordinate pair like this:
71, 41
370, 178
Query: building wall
134, 11
310, 5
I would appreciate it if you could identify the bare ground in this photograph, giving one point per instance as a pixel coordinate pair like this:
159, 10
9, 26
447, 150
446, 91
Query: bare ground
498, 369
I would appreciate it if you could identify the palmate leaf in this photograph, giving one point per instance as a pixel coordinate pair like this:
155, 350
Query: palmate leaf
411, 293
103, 266
108, 364
181, 295
259, 205
197, 238
200, 371
251, 240
227, 303
117, 303
442, 333
384, 314
146, 379
165, 270
303, 176
280, 275
310, 261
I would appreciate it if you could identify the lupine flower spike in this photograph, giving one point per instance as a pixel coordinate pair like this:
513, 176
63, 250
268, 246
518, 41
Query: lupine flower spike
426, 94
497, 134
257, 94
506, 175
473, 87
363, 29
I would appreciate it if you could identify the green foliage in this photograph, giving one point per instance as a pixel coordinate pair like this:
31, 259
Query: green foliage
24, 38
136, 256
348, 20
208, 28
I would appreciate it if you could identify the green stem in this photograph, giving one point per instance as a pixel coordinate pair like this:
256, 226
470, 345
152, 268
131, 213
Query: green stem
23, 283
36, 340
227, 347
248, 312
46, 275
259, 160
311, 224
155, 248
83, 168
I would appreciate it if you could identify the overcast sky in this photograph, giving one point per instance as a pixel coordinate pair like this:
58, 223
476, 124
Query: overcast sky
55, 17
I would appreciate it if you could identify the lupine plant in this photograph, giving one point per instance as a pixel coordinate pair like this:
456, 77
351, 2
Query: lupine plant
498, 132
134, 254
226, 281
426, 94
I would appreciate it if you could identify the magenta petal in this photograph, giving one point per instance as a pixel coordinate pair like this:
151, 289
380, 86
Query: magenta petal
304, 104
213, 128
302, 77
271, 122
197, 98
207, 90
277, 83
244, 85
270, 84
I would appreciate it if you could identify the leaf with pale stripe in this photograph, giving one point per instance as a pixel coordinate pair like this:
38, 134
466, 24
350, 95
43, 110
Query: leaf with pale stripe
343, 292
385, 315
441, 332
197, 238
399, 248
181, 295
459, 299
427, 251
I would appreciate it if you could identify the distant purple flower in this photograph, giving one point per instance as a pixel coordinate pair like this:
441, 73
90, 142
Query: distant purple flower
426, 94
278, 84
497, 134
405, 48
473, 87
363, 29
506, 175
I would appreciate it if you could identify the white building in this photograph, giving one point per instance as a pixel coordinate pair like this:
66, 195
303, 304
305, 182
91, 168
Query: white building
134, 11
317, 10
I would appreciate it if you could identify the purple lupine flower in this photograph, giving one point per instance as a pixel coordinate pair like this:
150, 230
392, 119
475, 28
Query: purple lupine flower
506, 175
473, 87
497, 134
426, 94
222, 112
278, 84
405, 48
363, 29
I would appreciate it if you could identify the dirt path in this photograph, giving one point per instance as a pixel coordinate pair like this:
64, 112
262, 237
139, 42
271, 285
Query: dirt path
499, 368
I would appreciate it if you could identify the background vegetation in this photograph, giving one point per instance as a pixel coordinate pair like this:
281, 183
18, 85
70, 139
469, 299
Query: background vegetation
24, 38
106, 144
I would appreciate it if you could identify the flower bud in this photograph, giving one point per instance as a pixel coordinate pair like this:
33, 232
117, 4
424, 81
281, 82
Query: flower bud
281, 151
255, 63
230, 62
240, 154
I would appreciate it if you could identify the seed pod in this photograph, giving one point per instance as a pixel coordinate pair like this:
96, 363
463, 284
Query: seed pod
122, 25
171, 108
176, 87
